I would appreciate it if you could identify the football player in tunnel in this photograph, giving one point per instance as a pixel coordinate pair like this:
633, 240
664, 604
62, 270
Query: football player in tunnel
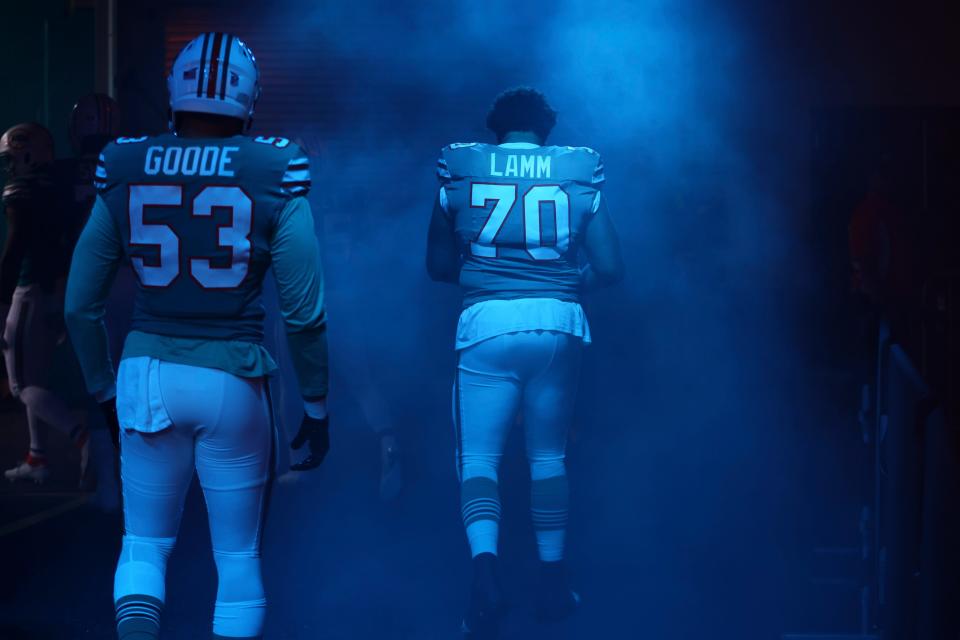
94, 122
33, 272
201, 214
523, 228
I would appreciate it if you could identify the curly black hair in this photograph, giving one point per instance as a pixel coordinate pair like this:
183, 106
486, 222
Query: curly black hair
521, 109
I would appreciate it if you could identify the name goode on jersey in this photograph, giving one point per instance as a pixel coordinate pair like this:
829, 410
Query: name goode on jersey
189, 161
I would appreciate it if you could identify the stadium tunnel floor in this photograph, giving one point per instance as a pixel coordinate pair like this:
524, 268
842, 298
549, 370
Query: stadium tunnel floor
681, 560
335, 566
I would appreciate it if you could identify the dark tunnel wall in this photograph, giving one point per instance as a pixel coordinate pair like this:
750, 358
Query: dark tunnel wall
48, 50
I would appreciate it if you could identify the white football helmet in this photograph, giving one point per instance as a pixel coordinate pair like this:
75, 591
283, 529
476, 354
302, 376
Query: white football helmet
215, 73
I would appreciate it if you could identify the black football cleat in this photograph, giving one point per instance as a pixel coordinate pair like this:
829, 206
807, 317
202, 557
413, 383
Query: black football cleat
555, 599
482, 620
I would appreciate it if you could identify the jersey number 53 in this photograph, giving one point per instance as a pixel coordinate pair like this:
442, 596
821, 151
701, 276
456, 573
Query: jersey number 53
234, 236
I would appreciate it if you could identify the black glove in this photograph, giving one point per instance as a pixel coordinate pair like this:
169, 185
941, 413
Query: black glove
317, 433
109, 409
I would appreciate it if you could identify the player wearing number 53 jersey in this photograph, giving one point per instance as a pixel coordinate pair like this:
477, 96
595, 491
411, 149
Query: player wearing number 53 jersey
200, 215
523, 228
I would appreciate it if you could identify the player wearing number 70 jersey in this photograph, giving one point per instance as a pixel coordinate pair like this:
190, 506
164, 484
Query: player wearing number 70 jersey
200, 214
523, 228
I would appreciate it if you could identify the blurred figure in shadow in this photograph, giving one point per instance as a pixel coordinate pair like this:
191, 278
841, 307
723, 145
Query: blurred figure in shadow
94, 122
523, 228
7, 400
882, 260
353, 342
33, 270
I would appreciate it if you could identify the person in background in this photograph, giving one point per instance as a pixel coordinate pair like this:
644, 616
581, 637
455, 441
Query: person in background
33, 271
882, 261
94, 122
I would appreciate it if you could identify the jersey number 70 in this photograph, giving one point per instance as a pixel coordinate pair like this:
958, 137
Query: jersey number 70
504, 197
234, 236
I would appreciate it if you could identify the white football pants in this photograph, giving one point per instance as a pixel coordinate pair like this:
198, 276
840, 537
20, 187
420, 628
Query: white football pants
220, 426
531, 375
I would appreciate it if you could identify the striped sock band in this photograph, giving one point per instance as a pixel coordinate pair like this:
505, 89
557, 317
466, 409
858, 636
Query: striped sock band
479, 500
138, 617
549, 507
480, 508
36, 457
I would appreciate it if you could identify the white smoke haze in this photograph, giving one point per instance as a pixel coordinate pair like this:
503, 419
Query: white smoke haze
698, 419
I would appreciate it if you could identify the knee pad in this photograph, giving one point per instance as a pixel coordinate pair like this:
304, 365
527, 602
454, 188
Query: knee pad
241, 605
142, 567
239, 578
139, 586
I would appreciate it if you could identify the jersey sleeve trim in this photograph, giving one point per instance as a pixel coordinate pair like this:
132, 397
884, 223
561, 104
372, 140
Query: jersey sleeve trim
443, 170
444, 175
597, 199
444, 200
296, 180
100, 177
598, 174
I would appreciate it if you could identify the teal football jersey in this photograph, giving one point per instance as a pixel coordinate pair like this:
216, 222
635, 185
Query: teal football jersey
196, 216
519, 212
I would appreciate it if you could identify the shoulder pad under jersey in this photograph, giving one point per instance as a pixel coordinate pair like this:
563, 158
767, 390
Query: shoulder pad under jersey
585, 163
112, 156
295, 180
449, 153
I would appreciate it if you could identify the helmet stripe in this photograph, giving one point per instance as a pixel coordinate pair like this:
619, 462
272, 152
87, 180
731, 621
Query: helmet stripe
203, 63
214, 66
226, 66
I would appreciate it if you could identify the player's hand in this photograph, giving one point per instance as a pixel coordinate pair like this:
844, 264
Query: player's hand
316, 432
109, 409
